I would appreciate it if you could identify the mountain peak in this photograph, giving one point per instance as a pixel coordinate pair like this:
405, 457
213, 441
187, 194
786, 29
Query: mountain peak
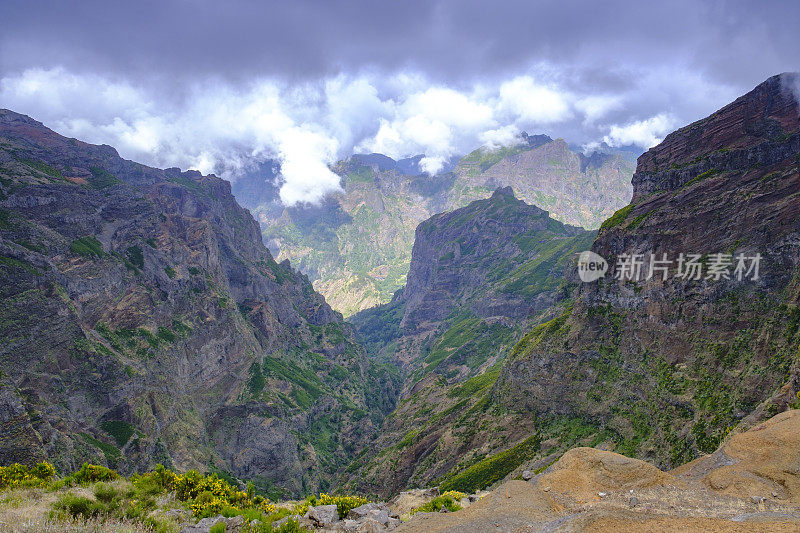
760, 128
506, 191
767, 112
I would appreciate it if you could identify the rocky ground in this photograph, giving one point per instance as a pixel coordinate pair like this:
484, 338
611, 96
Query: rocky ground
752, 483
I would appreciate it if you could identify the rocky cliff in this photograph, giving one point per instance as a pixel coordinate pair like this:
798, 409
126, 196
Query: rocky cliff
356, 247
144, 321
480, 276
672, 363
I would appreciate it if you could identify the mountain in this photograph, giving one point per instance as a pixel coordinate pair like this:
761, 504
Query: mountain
144, 321
480, 276
661, 367
356, 245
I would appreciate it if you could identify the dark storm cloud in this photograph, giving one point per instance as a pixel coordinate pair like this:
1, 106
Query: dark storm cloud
217, 85
737, 42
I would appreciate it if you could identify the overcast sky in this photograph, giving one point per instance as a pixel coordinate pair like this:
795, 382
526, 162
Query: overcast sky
221, 85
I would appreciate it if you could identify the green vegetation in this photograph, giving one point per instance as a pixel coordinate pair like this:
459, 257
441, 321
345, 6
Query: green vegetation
5, 219
135, 256
449, 500
101, 178
476, 385
111, 452
493, 468
121, 431
17, 475
617, 218
43, 167
701, 177
343, 503
170, 272
255, 382
87, 247
16, 263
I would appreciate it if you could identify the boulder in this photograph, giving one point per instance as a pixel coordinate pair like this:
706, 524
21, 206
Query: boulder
406, 501
362, 510
323, 515
232, 524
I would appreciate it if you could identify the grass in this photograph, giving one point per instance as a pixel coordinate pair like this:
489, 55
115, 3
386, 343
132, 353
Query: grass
101, 178
617, 218
87, 247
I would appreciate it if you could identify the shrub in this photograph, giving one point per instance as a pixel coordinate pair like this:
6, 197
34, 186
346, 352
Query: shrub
106, 493
446, 500
121, 431
343, 503
170, 272
101, 178
17, 475
79, 506
493, 468
207, 504
93, 473
135, 256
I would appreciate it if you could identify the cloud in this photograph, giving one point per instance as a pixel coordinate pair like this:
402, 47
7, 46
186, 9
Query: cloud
226, 127
533, 103
643, 133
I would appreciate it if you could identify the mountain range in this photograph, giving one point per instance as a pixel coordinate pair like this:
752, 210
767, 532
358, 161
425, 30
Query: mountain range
143, 320
356, 245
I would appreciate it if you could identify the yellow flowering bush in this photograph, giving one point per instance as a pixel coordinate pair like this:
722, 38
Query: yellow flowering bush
206, 504
17, 475
456, 495
343, 503
209, 493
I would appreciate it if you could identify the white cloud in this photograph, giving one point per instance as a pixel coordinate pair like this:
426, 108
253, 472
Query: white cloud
595, 107
220, 127
505, 136
533, 103
643, 133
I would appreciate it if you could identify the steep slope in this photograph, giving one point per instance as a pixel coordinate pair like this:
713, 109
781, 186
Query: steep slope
356, 247
660, 369
144, 321
671, 365
479, 277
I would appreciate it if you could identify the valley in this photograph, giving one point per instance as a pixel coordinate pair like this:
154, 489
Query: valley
145, 322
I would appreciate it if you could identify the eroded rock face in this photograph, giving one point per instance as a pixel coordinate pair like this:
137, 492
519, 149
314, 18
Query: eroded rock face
669, 365
144, 321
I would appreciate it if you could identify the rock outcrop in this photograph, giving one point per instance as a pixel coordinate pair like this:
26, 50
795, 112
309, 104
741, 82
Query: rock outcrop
594, 490
480, 276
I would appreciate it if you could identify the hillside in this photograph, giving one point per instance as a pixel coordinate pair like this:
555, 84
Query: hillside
660, 369
754, 487
144, 321
480, 277
356, 246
